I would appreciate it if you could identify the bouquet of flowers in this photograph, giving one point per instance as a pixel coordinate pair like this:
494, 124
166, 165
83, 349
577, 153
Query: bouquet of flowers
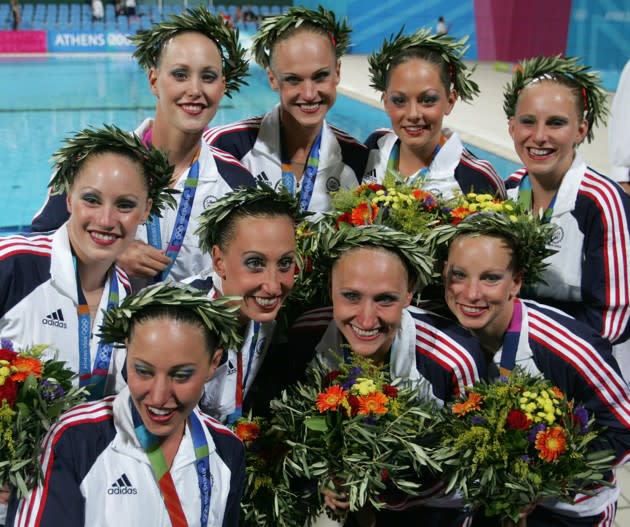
514, 442
393, 215
354, 430
402, 207
268, 497
33, 393
463, 205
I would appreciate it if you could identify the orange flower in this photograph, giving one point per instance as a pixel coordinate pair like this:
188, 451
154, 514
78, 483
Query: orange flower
551, 443
557, 392
364, 214
459, 214
428, 200
472, 403
373, 403
330, 399
247, 431
346, 217
25, 366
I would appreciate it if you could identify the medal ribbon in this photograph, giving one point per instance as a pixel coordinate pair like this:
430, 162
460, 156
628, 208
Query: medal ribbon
419, 177
162, 474
154, 235
310, 171
526, 199
510, 341
93, 378
241, 382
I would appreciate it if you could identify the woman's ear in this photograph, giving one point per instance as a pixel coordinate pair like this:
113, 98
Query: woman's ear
214, 363
408, 298
218, 261
147, 211
153, 81
516, 286
581, 132
273, 82
451, 100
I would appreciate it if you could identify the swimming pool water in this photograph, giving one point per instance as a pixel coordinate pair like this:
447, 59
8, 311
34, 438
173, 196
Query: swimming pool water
43, 100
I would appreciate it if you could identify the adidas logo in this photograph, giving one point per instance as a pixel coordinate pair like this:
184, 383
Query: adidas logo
231, 367
55, 319
122, 486
262, 178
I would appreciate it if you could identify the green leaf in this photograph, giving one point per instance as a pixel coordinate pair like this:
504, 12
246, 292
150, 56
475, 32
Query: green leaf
316, 423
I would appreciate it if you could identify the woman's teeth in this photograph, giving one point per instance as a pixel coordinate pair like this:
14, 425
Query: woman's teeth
266, 302
159, 411
365, 332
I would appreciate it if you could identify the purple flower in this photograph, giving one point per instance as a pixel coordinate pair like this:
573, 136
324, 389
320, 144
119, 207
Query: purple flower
51, 390
369, 420
6, 344
526, 458
352, 378
504, 378
477, 420
531, 437
580, 416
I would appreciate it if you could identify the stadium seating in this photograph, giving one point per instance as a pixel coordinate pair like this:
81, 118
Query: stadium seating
77, 16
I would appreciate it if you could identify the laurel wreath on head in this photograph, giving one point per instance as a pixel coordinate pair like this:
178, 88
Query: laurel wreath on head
149, 43
530, 235
274, 27
320, 244
211, 218
220, 315
157, 168
450, 49
558, 67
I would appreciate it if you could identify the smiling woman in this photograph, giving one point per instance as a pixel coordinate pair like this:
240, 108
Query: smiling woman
375, 264
421, 76
490, 255
250, 234
292, 144
191, 61
68, 279
552, 105
141, 443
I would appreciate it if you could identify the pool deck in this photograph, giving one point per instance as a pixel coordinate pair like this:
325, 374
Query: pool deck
484, 125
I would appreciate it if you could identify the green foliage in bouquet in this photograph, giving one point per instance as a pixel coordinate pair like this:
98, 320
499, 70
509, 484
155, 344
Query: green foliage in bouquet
514, 442
33, 394
394, 216
269, 497
355, 430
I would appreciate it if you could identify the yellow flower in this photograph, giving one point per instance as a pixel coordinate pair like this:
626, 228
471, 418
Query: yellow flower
364, 386
380, 192
513, 218
5, 372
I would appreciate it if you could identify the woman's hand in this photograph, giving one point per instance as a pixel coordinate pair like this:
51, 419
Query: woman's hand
335, 500
140, 260
338, 501
5, 492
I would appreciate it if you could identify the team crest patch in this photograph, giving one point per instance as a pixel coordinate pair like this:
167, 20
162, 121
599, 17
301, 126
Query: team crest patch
209, 200
332, 184
260, 345
557, 238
